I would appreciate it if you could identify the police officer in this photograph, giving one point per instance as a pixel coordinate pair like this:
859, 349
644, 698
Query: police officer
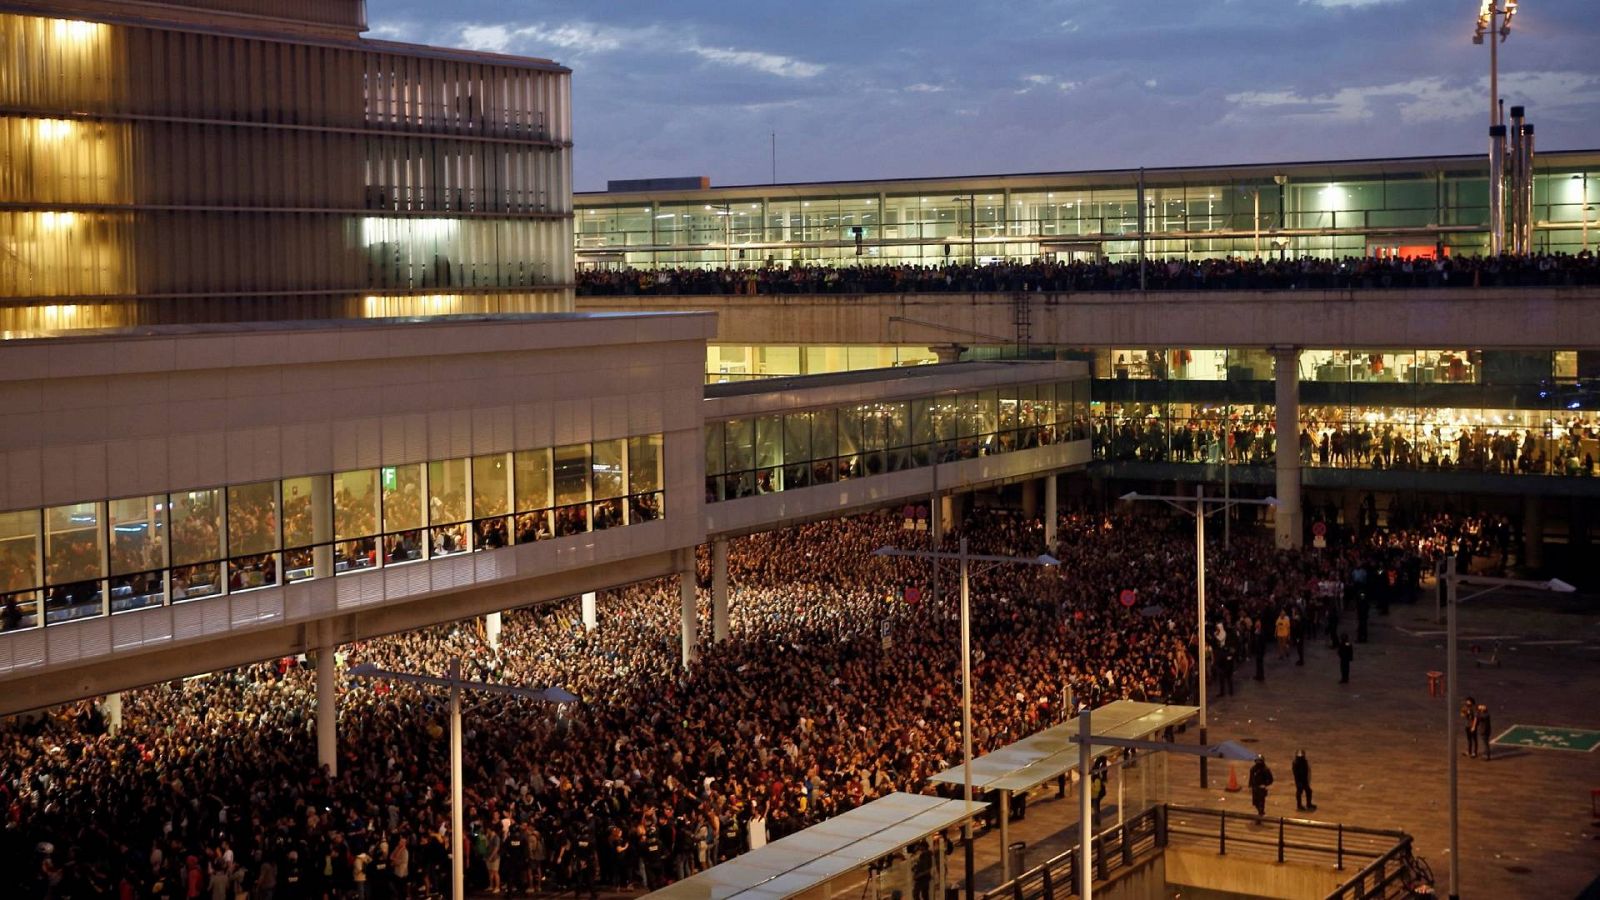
1302, 783
1260, 780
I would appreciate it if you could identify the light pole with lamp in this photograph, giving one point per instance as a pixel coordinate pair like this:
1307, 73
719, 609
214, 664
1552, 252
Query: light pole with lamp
1453, 581
1217, 504
454, 683
1085, 739
1496, 29
965, 560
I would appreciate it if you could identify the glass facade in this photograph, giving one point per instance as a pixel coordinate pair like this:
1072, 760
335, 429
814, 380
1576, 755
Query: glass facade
729, 363
763, 454
1404, 207
1491, 411
102, 557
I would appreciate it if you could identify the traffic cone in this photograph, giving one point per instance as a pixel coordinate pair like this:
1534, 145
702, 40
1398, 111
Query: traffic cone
1233, 779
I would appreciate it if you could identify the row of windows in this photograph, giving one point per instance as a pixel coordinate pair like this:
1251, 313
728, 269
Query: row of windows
53, 64
101, 557
1501, 441
763, 454
60, 254
71, 161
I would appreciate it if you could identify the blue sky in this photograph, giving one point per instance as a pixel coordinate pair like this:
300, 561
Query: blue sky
898, 88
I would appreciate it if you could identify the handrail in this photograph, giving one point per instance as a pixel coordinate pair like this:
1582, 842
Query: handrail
1386, 853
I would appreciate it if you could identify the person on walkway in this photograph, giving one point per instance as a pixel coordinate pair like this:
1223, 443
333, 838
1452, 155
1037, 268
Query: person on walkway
1282, 630
1302, 783
1224, 661
1259, 639
1347, 652
1260, 780
1097, 790
1485, 731
1469, 724
1297, 635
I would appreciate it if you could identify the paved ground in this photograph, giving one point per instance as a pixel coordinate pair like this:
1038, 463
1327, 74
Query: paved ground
1377, 747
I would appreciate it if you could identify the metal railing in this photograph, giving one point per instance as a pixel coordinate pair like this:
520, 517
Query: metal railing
1115, 850
1384, 866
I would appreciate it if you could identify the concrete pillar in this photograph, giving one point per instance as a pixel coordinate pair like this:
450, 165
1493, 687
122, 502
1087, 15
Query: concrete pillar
686, 602
327, 710
1050, 512
947, 353
591, 612
1532, 532
1287, 397
1352, 510
947, 514
111, 708
322, 527
491, 630
1030, 499
719, 589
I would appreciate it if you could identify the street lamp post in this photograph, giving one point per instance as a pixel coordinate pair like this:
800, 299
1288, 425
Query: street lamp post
454, 684
1085, 738
1200, 501
965, 560
1453, 581
1494, 22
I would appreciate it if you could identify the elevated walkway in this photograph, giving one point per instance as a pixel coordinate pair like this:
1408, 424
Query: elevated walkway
1535, 318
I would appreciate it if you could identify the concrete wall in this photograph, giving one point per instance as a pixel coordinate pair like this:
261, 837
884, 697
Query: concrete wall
1250, 877
1508, 318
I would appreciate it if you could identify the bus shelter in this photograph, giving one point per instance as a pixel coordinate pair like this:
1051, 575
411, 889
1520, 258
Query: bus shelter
1048, 754
870, 841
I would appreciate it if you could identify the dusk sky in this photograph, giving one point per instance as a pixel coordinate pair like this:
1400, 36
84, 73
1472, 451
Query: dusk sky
896, 88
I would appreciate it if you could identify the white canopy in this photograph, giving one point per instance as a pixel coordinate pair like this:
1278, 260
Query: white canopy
1050, 753
823, 852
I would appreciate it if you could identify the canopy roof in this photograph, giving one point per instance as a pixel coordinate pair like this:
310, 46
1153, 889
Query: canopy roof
1040, 757
810, 858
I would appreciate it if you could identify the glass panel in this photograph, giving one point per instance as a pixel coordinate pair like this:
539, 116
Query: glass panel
355, 504
533, 526
72, 543
715, 464
447, 491
307, 511
740, 445
644, 464
251, 572
607, 474
196, 528
194, 582
491, 486
532, 479
19, 551
138, 534
253, 518
402, 497
572, 474
644, 507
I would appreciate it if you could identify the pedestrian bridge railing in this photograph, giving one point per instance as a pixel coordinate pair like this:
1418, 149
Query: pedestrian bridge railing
1379, 860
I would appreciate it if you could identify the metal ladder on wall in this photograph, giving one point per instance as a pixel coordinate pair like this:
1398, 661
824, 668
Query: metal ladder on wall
1022, 318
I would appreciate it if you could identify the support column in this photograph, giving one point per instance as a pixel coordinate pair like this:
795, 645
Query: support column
686, 601
491, 630
591, 612
1532, 532
719, 589
947, 513
1288, 530
1050, 513
327, 710
111, 708
1030, 499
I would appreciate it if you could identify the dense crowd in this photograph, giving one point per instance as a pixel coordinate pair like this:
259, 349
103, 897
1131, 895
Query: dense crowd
836, 687
1230, 273
1327, 439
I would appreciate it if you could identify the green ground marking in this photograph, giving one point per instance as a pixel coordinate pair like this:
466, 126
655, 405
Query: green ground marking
1550, 737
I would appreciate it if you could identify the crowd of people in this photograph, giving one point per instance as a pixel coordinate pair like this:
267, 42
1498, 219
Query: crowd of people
836, 687
1229, 273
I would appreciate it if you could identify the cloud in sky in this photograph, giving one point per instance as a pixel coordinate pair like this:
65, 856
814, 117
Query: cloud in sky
896, 88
